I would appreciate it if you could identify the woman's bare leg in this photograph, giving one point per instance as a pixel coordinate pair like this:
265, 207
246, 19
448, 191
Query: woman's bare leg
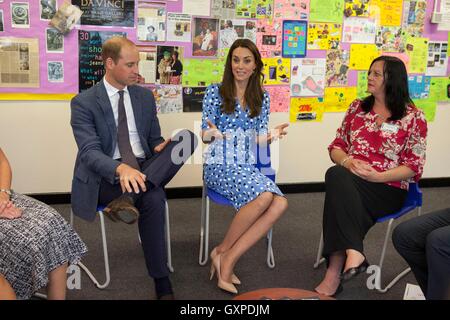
331, 281
254, 232
57, 283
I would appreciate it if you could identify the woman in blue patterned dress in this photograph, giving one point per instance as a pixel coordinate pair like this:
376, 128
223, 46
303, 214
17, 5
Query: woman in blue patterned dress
235, 118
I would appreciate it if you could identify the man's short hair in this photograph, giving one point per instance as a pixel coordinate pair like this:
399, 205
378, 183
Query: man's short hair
112, 47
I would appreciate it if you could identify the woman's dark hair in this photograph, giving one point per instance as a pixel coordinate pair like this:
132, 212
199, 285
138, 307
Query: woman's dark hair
395, 88
254, 92
175, 53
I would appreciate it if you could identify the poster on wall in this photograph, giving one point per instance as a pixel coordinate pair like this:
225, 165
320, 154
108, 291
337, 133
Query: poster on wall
168, 98
147, 64
118, 13
91, 68
231, 30
178, 27
205, 37
20, 62
307, 77
193, 99
151, 23
169, 67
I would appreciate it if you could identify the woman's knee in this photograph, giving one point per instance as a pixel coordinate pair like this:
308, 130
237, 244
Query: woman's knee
279, 205
264, 200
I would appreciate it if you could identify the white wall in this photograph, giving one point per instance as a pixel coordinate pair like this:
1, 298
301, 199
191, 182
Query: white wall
38, 140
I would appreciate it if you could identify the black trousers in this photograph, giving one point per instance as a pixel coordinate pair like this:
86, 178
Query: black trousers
159, 170
424, 242
351, 208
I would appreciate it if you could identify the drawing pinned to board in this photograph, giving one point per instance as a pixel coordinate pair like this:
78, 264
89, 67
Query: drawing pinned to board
277, 71
306, 110
307, 77
55, 71
279, 98
47, 9
20, 15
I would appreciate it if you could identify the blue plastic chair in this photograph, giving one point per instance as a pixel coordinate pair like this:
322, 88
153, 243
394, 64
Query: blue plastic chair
105, 247
264, 165
413, 201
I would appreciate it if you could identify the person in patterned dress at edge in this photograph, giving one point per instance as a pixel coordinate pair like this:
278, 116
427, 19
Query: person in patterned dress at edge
235, 111
36, 244
378, 150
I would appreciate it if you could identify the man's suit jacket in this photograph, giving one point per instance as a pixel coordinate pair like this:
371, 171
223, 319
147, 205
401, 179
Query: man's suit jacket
95, 132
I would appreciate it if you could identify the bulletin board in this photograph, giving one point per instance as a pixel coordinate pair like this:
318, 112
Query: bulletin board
343, 37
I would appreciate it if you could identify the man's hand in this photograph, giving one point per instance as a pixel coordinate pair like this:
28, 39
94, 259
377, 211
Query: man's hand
9, 211
161, 146
212, 133
277, 133
131, 180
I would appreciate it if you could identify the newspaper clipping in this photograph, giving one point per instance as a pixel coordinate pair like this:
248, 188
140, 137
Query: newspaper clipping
19, 62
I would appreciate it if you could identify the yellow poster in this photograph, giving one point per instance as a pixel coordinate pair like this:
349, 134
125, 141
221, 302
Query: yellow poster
339, 99
306, 110
387, 12
324, 36
362, 55
276, 71
417, 50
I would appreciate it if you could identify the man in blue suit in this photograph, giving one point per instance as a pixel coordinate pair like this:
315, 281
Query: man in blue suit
104, 174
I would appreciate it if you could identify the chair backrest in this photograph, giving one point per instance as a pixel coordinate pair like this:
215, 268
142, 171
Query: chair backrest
263, 162
413, 200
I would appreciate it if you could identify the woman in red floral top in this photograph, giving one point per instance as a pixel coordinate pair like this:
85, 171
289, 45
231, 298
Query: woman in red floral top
378, 149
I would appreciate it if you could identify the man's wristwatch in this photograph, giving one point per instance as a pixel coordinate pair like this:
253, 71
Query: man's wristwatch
7, 191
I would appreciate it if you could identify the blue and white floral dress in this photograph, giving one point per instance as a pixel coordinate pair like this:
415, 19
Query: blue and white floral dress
229, 164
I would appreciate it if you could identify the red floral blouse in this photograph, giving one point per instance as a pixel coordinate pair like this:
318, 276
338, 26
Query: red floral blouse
360, 137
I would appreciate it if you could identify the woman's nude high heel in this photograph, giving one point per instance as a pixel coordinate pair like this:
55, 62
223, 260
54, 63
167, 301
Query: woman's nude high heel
234, 278
222, 284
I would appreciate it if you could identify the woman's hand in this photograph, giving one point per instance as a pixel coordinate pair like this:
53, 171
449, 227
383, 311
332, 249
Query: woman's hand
363, 170
9, 211
212, 133
277, 132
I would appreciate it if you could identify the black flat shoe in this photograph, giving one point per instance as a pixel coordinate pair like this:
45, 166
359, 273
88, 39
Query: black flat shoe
353, 272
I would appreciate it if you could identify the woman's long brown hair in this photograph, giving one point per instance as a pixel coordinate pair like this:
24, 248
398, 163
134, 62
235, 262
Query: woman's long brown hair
254, 92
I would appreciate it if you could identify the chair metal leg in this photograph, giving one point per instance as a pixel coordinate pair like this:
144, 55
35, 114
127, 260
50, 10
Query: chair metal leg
270, 258
383, 252
204, 229
169, 249
105, 255
319, 258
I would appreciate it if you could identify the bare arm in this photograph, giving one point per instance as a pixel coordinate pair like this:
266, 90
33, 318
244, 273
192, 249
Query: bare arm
7, 208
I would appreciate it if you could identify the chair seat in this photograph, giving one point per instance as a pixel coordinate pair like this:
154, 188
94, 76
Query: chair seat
398, 214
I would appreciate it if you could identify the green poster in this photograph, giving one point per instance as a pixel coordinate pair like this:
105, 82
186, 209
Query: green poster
202, 72
438, 88
326, 11
361, 87
428, 106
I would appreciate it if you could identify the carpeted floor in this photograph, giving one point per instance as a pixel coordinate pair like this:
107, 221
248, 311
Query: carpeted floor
295, 243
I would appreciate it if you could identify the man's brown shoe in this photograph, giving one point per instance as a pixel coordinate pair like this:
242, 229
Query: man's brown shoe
122, 209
